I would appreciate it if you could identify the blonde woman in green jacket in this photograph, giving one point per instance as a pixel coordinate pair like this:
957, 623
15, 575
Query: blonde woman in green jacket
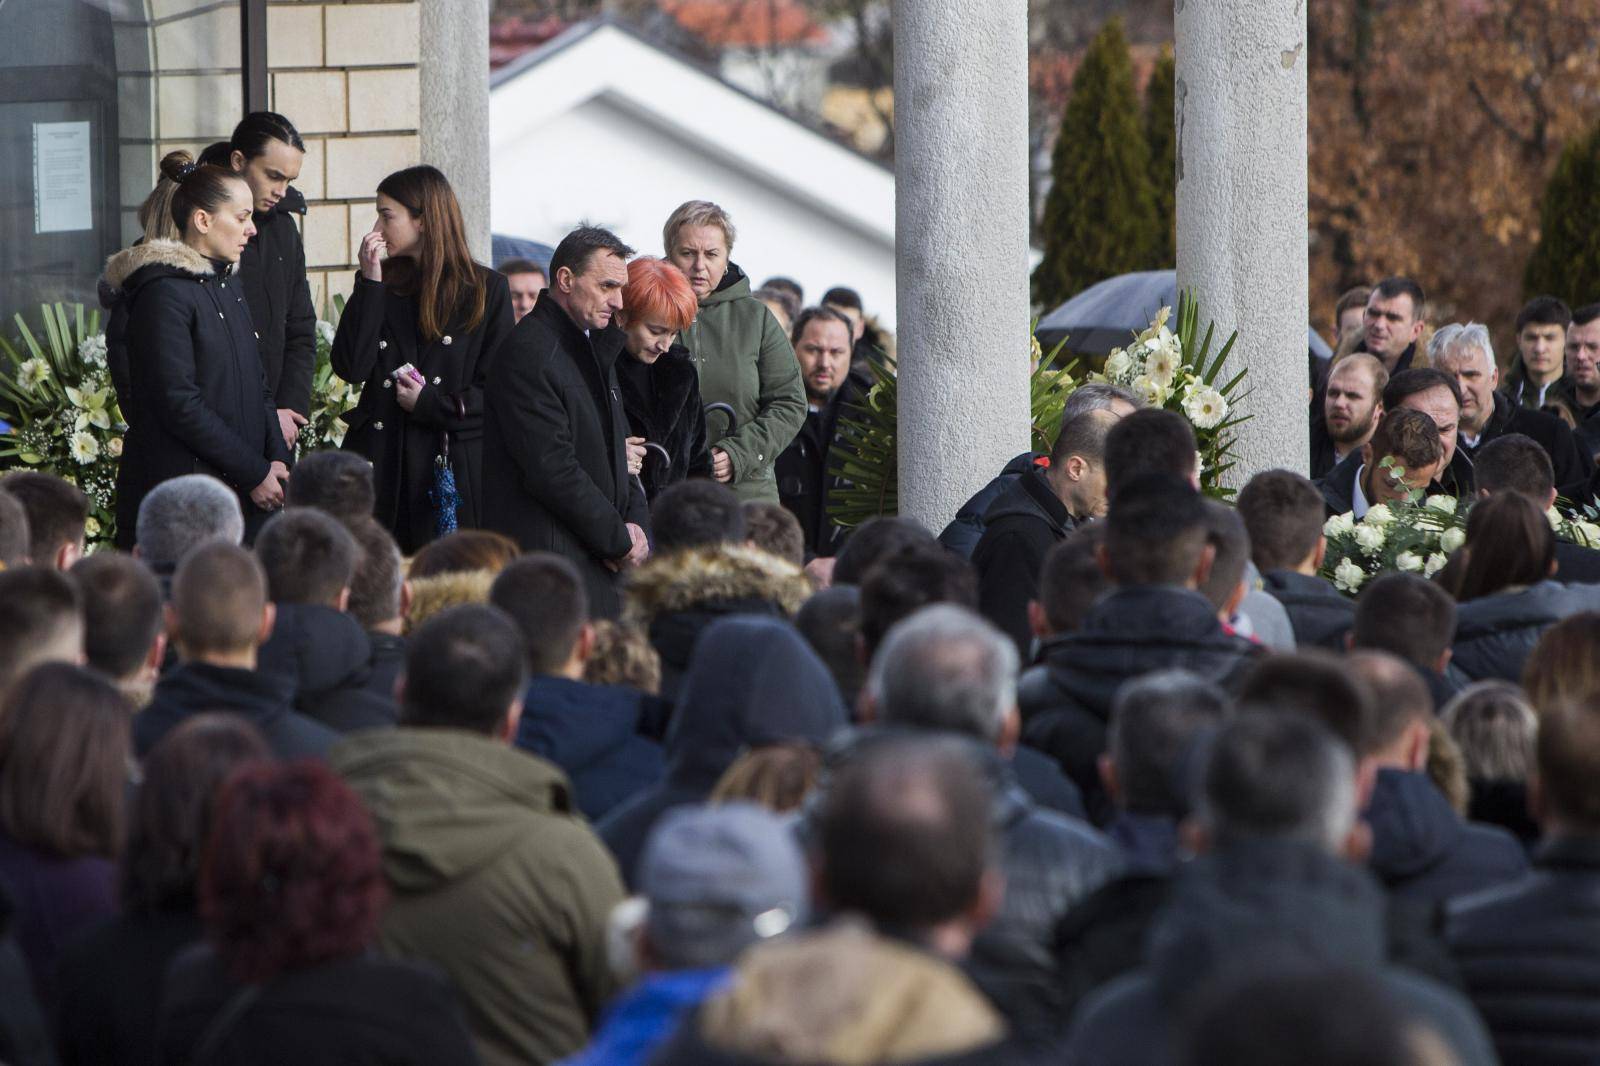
742, 355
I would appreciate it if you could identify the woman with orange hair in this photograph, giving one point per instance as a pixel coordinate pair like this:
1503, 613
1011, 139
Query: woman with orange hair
660, 386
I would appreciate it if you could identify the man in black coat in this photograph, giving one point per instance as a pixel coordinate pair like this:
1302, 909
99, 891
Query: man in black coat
1411, 441
1283, 514
821, 338
1467, 354
1515, 463
555, 473
1033, 515
272, 272
1530, 950
1157, 555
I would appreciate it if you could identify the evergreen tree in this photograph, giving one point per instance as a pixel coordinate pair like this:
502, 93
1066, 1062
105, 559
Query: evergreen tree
1566, 261
1161, 134
1100, 215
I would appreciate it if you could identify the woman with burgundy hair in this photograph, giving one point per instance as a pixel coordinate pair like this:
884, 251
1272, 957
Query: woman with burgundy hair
660, 385
291, 893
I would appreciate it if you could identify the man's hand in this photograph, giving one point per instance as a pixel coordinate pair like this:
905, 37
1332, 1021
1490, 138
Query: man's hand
269, 494
820, 571
289, 423
636, 555
635, 454
721, 466
406, 391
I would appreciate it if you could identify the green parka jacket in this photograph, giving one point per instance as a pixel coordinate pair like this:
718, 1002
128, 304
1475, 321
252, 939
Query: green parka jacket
746, 362
495, 879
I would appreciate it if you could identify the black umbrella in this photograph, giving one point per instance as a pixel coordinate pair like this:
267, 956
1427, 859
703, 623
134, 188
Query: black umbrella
1110, 313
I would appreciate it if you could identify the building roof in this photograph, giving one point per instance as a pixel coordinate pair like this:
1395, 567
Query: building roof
755, 24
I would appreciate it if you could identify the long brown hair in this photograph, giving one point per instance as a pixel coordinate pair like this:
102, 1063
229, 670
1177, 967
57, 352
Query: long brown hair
442, 273
1509, 544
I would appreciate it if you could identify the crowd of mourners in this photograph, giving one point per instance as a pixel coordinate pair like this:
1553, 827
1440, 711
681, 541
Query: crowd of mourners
611, 748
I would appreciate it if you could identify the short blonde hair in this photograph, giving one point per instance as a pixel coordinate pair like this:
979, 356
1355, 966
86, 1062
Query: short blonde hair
696, 213
623, 655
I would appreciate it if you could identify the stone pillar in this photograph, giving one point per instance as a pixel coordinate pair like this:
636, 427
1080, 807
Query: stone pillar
455, 106
1242, 220
961, 235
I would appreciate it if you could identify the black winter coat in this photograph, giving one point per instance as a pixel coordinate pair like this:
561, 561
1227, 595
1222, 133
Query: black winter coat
662, 402
804, 483
1577, 565
1530, 953
1423, 850
379, 333
264, 700
1572, 466
1496, 634
109, 990
362, 1011
966, 528
197, 401
329, 657
592, 733
272, 272
555, 463
1066, 700
1320, 616
1020, 528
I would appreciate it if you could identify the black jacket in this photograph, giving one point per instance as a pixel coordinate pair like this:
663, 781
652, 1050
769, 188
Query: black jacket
361, 1011
663, 405
386, 661
1577, 565
264, 700
1321, 617
804, 483
1020, 528
1338, 485
1573, 467
379, 333
1249, 903
1530, 953
272, 272
752, 681
110, 987
555, 464
592, 733
1323, 455
966, 528
197, 401
329, 657
1496, 634
1423, 850
24, 1032
1066, 699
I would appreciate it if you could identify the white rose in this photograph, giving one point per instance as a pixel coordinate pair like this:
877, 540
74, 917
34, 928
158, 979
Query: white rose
1118, 363
91, 527
1347, 576
1379, 515
1205, 407
1442, 504
1369, 537
1434, 564
1452, 538
1410, 562
114, 447
1339, 525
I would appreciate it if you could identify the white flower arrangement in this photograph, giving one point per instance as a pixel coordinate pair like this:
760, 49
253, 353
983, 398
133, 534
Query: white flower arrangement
331, 397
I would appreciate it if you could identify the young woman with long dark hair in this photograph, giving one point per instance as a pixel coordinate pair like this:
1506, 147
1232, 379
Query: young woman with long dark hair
418, 333
267, 152
197, 400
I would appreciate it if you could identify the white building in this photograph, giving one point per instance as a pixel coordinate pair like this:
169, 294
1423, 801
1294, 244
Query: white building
601, 126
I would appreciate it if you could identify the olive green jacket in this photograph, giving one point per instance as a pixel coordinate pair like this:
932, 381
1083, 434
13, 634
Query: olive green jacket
494, 879
745, 361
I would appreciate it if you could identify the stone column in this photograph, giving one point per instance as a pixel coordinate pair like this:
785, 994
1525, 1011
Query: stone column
1242, 221
961, 234
455, 106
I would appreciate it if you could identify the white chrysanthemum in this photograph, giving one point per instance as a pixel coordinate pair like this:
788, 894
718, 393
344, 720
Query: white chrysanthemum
85, 449
1205, 407
1340, 525
1369, 537
1434, 564
32, 373
1441, 503
1347, 576
1451, 539
1410, 562
1118, 363
1378, 515
93, 350
1149, 390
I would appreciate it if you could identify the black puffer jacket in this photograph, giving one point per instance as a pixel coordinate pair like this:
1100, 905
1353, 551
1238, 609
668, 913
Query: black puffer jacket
1025, 521
662, 402
1530, 953
1495, 634
272, 272
329, 656
1423, 850
1251, 903
966, 529
1320, 616
196, 401
1066, 699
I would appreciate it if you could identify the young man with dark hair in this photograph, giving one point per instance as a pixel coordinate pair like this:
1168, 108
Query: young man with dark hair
1537, 378
822, 339
555, 474
1283, 513
592, 732
1521, 947
877, 539
123, 635
1583, 371
310, 562
380, 600
1035, 513
1405, 455
1156, 554
1151, 441
1412, 618
57, 514
42, 622
775, 530
907, 580
484, 856
13, 532
1397, 313
1515, 463
335, 481
696, 514
1241, 607
525, 279
1069, 584
218, 618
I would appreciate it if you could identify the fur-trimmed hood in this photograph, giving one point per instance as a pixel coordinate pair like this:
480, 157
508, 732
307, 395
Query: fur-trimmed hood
693, 577
430, 595
173, 257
